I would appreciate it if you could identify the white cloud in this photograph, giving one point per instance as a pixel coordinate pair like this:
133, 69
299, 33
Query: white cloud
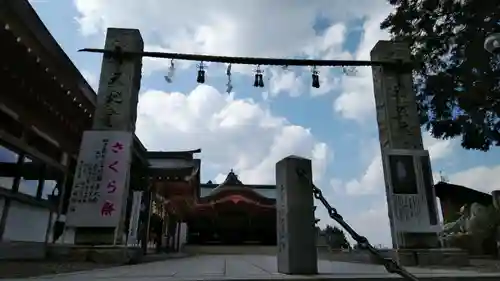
438, 149
239, 134
92, 79
283, 81
255, 28
357, 100
481, 178
249, 28
372, 179
373, 223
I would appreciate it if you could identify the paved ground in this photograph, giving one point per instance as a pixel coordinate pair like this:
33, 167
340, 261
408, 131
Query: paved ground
24, 269
248, 267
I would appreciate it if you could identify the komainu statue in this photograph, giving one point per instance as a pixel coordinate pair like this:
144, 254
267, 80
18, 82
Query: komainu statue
474, 231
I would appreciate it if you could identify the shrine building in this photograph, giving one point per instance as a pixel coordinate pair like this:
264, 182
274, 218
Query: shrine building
228, 213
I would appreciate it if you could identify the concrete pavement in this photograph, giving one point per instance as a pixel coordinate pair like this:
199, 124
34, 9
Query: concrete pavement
252, 267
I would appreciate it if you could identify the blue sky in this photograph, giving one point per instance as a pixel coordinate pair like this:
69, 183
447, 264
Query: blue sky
252, 128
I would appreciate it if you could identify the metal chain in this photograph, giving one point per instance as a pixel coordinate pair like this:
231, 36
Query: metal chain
390, 265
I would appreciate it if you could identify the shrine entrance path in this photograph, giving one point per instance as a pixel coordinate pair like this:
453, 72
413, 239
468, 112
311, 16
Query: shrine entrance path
252, 267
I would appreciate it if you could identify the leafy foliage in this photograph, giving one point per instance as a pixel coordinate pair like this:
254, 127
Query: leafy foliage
457, 82
335, 238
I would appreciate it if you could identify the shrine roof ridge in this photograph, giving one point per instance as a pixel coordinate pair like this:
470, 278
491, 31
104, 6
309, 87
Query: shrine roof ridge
253, 186
447, 190
183, 154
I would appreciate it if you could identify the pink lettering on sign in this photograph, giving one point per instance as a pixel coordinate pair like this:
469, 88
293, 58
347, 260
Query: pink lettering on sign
112, 166
107, 208
117, 147
111, 186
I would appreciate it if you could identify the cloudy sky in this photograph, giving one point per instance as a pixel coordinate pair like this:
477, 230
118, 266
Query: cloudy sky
251, 129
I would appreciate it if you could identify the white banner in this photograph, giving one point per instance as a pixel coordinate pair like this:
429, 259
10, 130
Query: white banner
133, 227
100, 179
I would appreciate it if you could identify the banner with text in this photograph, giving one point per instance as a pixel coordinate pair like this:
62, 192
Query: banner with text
100, 179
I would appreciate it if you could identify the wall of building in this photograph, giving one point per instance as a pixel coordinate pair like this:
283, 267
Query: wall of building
450, 210
2, 204
170, 163
27, 223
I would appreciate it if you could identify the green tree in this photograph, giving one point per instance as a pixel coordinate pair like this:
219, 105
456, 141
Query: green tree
335, 238
457, 82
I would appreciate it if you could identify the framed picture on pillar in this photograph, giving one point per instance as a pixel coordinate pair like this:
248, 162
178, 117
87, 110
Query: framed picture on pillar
410, 192
403, 178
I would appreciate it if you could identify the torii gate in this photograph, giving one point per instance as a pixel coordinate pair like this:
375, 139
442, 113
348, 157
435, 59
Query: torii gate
407, 171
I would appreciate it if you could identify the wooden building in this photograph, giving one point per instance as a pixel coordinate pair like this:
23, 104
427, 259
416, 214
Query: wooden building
228, 213
45, 105
233, 213
452, 197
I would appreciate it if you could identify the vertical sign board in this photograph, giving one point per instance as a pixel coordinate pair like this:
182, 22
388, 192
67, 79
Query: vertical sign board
412, 207
100, 179
134, 218
280, 215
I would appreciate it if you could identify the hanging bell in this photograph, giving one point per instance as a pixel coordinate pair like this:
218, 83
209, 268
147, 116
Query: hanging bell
315, 80
201, 76
261, 81
256, 80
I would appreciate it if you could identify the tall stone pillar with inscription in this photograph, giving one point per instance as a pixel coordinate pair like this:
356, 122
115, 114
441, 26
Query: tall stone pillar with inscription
297, 252
100, 189
410, 195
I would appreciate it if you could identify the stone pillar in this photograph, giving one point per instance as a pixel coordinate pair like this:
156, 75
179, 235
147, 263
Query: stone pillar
399, 130
119, 83
100, 189
296, 234
495, 195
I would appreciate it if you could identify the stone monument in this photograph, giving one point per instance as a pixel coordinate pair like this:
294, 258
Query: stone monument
410, 195
100, 189
475, 230
297, 252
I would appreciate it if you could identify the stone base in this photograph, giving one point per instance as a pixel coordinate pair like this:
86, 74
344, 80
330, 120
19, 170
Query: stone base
428, 257
323, 251
98, 254
94, 236
10, 250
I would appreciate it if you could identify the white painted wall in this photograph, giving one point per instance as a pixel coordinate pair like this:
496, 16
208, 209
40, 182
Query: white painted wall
26, 223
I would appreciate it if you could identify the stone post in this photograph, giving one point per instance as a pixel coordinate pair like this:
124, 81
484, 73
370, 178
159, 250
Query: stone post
119, 83
100, 190
297, 253
495, 195
399, 130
